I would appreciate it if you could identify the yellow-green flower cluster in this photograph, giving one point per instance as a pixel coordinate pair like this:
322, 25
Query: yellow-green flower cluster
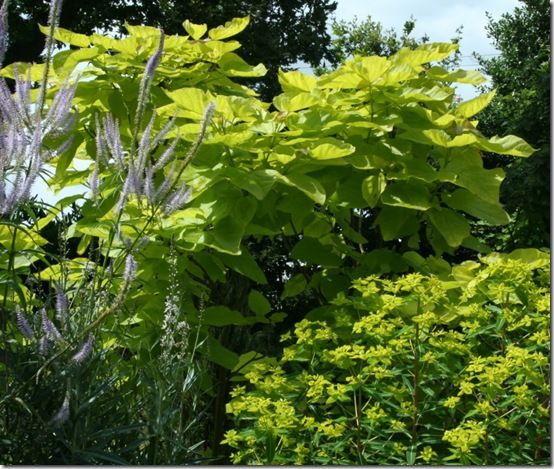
419, 368
466, 436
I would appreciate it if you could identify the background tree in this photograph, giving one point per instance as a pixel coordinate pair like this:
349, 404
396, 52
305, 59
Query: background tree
521, 77
368, 37
281, 32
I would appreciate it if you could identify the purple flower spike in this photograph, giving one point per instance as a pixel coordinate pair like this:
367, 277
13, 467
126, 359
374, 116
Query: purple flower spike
61, 304
43, 345
22, 324
130, 269
61, 415
48, 327
154, 61
84, 352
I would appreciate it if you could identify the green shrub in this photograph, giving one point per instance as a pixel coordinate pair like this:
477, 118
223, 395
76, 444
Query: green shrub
421, 369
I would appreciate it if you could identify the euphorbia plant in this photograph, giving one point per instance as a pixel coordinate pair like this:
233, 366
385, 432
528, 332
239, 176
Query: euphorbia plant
416, 370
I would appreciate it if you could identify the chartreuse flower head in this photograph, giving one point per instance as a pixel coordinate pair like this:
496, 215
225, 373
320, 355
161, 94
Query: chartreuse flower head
401, 378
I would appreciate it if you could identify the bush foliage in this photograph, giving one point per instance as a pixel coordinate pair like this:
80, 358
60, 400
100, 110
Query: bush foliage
417, 370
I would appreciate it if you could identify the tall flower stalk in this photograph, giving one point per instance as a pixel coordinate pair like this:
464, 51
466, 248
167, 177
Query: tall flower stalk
26, 126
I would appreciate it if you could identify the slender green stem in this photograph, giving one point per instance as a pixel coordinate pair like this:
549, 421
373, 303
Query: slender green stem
415, 394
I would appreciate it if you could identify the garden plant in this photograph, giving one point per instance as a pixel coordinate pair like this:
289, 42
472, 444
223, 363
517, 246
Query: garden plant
130, 310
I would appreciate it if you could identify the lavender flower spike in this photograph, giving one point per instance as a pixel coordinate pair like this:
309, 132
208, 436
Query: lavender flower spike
130, 269
43, 345
146, 82
61, 304
61, 415
154, 61
48, 327
84, 352
22, 324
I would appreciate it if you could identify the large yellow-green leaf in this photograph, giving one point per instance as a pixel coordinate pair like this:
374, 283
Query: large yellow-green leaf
258, 183
314, 252
228, 231
66, 63
67, 37
222, 316
306, 184
143, 31
408, 194
196, 31
370, 68
296, 81
425, 53
230, 28
428, 137
291, 102
453, 227
331, 148
397, 73
35, 71
473, 106
234, 66
508, 145
435, 93
21, 239
219, 354
294, 286
191, 99
463, 200
485, 183
341, 79
372, 188
397, 222
244, 264
470, 77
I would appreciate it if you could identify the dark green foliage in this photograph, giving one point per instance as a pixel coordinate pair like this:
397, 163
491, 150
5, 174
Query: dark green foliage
281, 32
521, 76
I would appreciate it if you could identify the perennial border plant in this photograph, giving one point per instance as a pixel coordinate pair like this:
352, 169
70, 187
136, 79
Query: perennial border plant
413, 370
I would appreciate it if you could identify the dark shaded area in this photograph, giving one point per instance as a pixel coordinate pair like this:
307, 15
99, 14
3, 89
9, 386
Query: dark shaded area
281, 32
521, 76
